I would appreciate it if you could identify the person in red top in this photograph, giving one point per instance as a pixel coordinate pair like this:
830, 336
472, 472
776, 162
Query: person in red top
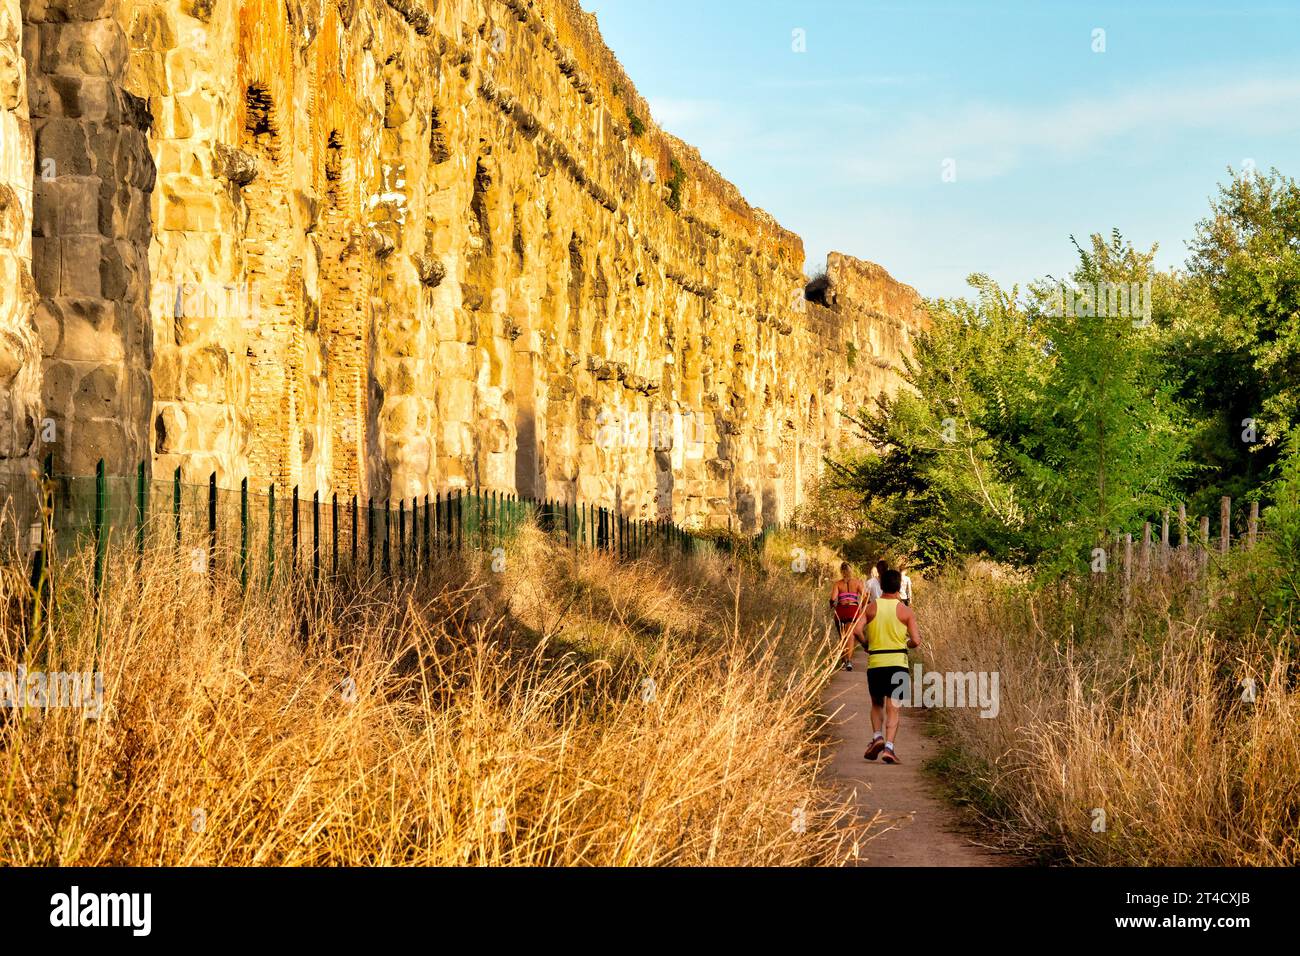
847, 603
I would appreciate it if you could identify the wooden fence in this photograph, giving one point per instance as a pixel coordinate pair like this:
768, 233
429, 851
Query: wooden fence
1192, 552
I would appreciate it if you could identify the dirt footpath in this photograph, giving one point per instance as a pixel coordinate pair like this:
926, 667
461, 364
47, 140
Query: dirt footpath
918, 828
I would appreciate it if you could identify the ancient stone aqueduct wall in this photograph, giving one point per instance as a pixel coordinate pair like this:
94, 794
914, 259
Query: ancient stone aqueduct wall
396, 247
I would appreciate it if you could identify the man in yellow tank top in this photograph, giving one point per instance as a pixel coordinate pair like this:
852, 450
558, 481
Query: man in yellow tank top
891, 629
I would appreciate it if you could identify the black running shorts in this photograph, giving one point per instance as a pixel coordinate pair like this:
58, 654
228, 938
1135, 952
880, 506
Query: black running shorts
883, 682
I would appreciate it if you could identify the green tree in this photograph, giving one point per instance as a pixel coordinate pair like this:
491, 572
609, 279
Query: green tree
1246, 259
1105, 445
1280, 548
935, 483
1029, 433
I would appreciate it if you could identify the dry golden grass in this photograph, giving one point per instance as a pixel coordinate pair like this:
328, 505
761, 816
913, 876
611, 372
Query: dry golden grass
1137, 712
478, 718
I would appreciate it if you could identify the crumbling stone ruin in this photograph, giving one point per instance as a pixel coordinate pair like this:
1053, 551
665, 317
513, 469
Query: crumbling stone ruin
402, 247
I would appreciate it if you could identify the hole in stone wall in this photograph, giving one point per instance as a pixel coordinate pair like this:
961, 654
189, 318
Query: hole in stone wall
577, 277
575, 259
334, 157
517, 239
479, 224
576, 273
437, 139
259, 120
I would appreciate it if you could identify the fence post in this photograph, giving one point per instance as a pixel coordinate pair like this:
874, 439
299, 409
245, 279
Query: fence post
370, 533
1225, 523
1164, 539
293, 531
425, 529
212, 523
1205, 542
270, 535
315, 536
42, 560
243, 534
141, 507
1252, 528
388, 531
354, 533
334, 532
101, 504
176, 503
1146, 550
401, 536
1183, 557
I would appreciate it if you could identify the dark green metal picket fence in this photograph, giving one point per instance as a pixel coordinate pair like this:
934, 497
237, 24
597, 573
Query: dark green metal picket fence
264, 538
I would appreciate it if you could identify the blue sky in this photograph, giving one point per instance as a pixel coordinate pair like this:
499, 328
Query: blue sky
845, 143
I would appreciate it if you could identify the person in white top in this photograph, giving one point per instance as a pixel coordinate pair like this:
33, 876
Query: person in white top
873, 583
905, 590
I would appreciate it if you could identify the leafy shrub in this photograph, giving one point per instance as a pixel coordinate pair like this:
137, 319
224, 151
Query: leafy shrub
635, 122
675, 185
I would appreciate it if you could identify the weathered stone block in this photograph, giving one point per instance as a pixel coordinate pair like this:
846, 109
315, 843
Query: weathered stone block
90, 440
189, 211
90, 331
86, 47
456, 400
80, 257
169, 429
47, 259
206, 371
62, 148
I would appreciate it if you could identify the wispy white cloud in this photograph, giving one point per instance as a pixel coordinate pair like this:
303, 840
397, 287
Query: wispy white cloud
838, 82
989, 140
866, 145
